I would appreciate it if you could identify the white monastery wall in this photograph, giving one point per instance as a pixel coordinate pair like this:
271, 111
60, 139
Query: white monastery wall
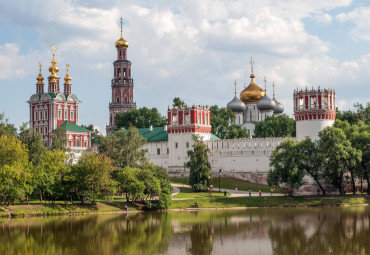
311, 128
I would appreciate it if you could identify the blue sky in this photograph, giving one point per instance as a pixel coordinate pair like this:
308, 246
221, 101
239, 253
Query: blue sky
190, 49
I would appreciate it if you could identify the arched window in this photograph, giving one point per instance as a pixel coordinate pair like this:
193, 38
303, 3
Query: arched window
59, 112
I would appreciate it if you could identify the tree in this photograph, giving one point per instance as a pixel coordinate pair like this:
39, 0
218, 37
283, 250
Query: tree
223, 124
33, 142
48, 174
340, 158
129, 183
276, 126
124, 147
177, 102
93, 176
284, 160
352, 117
94, 133
59, 139
140, 118
310, 160
6, 128
200, 168
14, 169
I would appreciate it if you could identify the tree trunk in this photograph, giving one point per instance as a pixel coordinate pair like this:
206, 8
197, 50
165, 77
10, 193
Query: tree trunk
27, 200
320, 186
40, 196
126, 196
353, 184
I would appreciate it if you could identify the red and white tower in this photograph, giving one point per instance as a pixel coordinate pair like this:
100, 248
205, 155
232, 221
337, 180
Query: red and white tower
122, 85
53, 108
314, 110
183, 123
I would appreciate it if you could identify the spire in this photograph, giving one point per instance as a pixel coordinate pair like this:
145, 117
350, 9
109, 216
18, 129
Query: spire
121, 43
67, 83
264, 79
273, 89
53, 69
40, 78
40, 83
252, 63
235, 86
121, 21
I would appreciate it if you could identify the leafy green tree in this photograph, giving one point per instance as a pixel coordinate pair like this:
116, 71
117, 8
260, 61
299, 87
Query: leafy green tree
33, 142
140, 118
93, 176
276, 126
310, 160
14, 169
223, 124
284, 160
200, 168
129, 183
59, 139
124, 147
360, 114
341, 158
48, 174
94, 133
177, 102
6, 128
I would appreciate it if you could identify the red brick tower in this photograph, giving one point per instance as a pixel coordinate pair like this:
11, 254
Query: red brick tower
122, 85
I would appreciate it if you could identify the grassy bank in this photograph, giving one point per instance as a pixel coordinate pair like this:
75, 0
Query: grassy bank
230, 183
270, 202
50, 209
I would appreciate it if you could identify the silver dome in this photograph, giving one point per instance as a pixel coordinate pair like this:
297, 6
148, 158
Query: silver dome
279, 108
266, 104
236, 105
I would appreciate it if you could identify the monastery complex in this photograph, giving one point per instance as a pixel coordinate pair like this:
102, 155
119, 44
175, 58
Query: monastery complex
167, 146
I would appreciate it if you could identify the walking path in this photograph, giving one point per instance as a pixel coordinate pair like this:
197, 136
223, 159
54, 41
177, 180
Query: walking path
234, 193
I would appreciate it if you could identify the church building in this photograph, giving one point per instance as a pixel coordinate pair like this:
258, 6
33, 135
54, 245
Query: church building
52, 109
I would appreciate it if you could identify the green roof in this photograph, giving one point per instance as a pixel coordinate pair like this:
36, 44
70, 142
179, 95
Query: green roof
68, 126
158, 134
214, 137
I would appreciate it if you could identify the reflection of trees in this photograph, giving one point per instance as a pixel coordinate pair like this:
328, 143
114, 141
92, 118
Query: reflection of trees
103, 234
201, 239
338, 232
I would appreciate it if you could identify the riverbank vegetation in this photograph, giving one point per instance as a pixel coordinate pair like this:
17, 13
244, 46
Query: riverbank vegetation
340, 159
29, 170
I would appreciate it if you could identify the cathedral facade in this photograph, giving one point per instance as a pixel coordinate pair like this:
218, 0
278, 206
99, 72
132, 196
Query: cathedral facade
53, 108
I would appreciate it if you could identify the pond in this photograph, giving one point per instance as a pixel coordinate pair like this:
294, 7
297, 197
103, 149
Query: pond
256, 231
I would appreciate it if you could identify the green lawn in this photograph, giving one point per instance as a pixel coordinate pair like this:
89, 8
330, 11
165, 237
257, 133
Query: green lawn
230, 183
270, 202
189, 193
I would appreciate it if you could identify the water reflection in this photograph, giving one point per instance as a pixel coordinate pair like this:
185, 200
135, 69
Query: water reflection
270, 231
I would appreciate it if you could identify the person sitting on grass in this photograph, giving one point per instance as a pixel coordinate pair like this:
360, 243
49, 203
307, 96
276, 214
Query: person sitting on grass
195, 204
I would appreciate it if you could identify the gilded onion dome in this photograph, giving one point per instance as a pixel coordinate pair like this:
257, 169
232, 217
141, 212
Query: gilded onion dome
121, 43
40, 78
253, 93
266, 104
53, 69
67, 79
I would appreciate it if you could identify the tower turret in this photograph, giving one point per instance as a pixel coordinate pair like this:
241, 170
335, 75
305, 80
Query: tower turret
67, 83
122, 84
40, 83
314, 110
53, 77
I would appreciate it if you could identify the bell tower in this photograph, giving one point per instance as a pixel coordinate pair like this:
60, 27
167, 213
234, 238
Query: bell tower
122, 84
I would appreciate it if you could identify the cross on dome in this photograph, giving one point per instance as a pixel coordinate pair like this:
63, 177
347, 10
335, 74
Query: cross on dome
235, 86
252, 63
264, 79
53, 49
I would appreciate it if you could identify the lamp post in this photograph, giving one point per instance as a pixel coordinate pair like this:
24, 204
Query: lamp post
219, 180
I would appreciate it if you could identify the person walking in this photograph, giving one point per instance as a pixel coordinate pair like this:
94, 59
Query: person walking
318, 191
250, 193
274, 192
270, 192
225, 193
260, 194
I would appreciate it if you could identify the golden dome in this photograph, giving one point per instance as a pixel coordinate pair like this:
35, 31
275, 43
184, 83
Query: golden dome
253, 93
40, 78
121, 43
67, 79
53, 69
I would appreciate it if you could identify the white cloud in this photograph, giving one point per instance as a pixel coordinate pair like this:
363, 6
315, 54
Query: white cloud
360, 18
323, 18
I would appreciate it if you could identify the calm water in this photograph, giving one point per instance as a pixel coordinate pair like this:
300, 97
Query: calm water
270, 231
